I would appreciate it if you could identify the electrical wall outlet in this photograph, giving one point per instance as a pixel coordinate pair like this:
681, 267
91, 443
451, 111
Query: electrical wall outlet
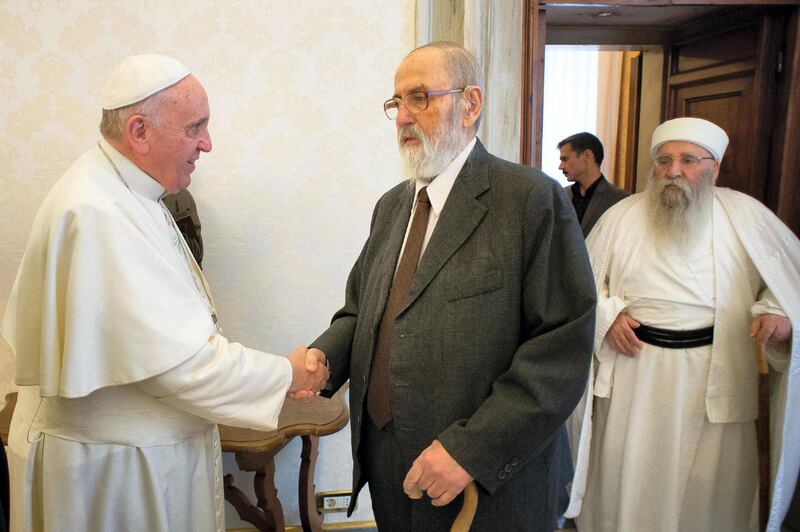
333, 501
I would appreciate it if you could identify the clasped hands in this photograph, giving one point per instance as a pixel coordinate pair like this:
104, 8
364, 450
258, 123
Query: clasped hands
309, 373
764, 328
437, 474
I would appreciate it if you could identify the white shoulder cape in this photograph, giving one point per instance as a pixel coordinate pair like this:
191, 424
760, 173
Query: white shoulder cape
99, 299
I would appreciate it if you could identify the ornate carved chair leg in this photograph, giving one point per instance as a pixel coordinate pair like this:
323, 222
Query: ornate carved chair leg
310, 519
267, 493
245, 509
264, 485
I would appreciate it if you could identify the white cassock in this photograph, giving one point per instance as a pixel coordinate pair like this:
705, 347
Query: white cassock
122, 373
671, 445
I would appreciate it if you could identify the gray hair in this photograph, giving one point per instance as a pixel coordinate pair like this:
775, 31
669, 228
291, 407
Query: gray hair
461, 65
112, 123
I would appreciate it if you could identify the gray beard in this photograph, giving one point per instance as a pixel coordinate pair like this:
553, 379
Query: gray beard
676, 217
424, 162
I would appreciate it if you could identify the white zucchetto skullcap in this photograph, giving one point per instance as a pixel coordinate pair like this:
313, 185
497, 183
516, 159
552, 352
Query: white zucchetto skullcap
140, 76
695, 130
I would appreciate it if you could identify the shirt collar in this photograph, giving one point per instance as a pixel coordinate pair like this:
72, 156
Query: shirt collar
439, 188
138, 180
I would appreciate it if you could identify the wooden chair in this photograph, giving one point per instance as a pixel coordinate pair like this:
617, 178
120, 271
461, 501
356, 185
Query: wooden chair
5, 416
5, 422
255, 451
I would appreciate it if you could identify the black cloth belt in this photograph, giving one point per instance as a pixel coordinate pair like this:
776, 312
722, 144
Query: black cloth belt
675, 339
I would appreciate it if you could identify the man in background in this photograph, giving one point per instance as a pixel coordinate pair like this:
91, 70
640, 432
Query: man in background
591, 194
689, 277
467, 322
122, 370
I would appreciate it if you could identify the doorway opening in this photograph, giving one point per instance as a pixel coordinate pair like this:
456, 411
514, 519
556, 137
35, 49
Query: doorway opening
594, 89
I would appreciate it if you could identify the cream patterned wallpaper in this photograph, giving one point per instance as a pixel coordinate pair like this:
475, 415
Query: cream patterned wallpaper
302, 150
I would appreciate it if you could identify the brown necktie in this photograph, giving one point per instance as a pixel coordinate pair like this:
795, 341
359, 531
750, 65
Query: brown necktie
378, 405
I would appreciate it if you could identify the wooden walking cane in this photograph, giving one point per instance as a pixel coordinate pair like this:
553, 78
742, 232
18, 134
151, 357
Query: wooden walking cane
762, 434
463, 520
467, 513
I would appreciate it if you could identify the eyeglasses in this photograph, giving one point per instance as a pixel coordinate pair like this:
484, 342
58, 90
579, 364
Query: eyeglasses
687, 161
415, 102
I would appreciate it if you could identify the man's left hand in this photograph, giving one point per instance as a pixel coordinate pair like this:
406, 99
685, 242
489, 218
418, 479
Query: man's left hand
436, 473
771, 328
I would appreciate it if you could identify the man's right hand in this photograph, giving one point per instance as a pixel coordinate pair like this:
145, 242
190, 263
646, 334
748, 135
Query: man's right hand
621, 336
309, 373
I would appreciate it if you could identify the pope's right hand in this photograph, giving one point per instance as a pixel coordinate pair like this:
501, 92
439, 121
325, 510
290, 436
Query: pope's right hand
309, 373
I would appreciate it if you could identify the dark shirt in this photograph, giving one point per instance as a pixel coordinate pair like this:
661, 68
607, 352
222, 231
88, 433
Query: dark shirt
582, 202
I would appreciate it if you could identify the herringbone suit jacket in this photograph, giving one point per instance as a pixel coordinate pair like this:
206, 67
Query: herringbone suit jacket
491, 350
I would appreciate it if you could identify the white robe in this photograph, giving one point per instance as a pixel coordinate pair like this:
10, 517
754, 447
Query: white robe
743, 228
122, 374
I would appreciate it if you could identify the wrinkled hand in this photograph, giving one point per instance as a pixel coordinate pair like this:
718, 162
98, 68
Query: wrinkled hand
309, 373
621, 336
771, 328
436, 473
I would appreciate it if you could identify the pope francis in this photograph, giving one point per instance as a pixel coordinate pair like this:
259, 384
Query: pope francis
122, 369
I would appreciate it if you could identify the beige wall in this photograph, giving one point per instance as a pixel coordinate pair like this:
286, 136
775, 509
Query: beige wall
302, 150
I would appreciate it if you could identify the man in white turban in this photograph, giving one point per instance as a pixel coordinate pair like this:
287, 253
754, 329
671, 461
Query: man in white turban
689, 277
122, 369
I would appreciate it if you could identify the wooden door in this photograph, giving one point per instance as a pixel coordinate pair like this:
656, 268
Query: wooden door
723, 69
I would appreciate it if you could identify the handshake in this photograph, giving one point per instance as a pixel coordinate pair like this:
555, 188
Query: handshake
309, 373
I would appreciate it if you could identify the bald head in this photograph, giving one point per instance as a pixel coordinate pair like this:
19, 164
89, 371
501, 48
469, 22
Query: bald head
456, 66
437, 109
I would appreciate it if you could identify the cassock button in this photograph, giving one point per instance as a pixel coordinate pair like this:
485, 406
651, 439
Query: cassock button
501, 475
216, 444
514, 461
507, 468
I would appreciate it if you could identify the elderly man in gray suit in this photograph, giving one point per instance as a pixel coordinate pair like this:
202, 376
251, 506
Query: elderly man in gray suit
466, 331
591, 194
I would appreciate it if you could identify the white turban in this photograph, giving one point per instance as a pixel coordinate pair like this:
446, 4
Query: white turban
695, 130
140, 76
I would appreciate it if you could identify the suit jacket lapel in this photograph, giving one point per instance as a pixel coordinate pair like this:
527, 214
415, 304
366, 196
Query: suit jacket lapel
591, 214
460, 216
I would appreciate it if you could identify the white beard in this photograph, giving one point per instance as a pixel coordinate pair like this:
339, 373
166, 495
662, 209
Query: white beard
676, 217
422, 163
